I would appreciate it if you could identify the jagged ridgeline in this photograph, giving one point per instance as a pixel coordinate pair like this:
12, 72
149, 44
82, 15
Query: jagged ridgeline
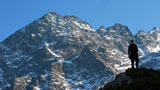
58, 52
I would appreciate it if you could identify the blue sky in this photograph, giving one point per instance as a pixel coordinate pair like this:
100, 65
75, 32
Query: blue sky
136, 14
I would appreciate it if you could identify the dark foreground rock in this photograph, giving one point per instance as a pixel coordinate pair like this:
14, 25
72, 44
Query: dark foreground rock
136, 79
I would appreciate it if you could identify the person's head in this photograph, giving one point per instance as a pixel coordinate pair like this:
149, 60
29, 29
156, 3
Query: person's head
132, 41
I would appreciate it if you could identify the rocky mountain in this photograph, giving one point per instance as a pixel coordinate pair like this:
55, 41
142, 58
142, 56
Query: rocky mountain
58, 52
149, 41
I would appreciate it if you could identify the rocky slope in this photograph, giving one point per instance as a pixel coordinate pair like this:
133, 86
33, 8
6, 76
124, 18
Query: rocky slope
66, 53
135, 79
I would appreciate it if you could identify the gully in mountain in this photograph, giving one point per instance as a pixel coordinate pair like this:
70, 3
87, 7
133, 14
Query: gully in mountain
133, 53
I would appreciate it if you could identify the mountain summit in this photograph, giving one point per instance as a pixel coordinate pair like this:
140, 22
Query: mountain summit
58, 52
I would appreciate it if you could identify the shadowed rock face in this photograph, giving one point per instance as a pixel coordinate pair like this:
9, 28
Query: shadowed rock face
64, 52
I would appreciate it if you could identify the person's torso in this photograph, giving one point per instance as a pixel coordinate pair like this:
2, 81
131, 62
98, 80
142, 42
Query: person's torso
133, 49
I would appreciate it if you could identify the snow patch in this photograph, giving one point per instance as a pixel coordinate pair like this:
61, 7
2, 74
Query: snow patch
141, 52
33, 35
36, 88
65, 61
49, 50
114, 52
83, 26
75, 57
156, 49
108, 37
121, 68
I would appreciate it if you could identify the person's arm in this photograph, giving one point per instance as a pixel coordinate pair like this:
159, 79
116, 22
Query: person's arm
136, 48
129, 51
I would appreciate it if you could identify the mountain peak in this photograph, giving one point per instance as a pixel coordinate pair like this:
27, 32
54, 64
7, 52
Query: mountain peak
155, 29
141, 31
52, 13
101, 28
71, 17
117, 26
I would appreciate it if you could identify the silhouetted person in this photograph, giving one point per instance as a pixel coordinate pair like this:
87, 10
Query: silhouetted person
133, 53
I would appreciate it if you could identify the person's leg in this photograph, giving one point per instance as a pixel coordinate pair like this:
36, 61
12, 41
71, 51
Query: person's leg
137, 62
132, 62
